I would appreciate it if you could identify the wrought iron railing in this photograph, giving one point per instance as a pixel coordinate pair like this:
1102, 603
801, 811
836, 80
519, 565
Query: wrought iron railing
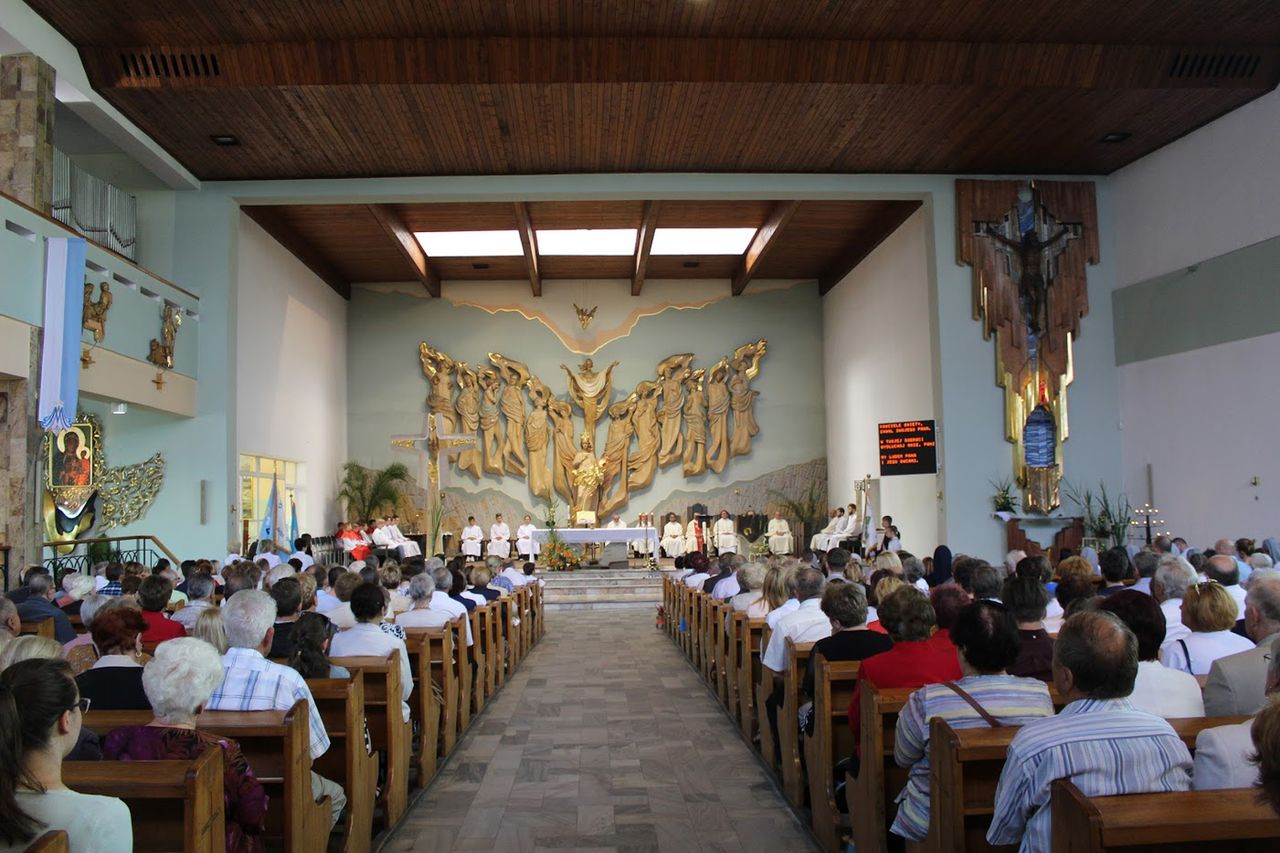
143, 549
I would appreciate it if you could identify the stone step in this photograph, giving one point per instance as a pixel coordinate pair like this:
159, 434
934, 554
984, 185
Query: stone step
599, 605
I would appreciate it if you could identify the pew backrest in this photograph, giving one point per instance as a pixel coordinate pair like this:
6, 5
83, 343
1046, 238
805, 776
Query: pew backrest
831, 741
340, 703
387, 727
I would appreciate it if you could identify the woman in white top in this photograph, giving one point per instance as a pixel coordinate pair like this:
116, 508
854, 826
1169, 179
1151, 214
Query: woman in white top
1210, 612
41, 715
1158, 689
525, 545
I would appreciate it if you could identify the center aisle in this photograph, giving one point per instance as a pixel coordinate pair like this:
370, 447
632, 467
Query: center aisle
605, 739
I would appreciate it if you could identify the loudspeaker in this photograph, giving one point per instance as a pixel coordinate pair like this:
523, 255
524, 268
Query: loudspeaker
204, 501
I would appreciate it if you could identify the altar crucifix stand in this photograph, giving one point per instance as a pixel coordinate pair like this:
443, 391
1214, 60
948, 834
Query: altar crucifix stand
429, 447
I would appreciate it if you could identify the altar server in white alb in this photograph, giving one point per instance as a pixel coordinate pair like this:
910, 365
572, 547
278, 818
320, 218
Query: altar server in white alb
406, 546
381, 536
779, 534
672, 537
644, 544
525, 546
816, 541
835, 537
726, 534
499, 538
472, 536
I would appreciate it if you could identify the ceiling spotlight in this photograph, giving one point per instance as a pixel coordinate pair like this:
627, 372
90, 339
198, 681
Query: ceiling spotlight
478, 265
225, 139
691, 265
1115, 136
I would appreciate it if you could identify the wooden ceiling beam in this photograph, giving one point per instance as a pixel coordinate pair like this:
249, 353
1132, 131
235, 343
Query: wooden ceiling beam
600, 60
644, 242
761, 244
529, 241
408, 246
863, 244
273, 221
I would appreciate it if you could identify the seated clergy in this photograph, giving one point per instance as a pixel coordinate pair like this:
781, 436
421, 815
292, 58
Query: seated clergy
253, 683
405, 546
987, 643
726, 534
779, 533
1099, 741
525, 545
817, 539
838, 534
672, 543
644, 544
472, 536
1224, 753
499, 538
695, 536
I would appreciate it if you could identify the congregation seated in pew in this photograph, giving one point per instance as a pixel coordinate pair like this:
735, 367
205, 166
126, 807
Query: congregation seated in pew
1157, 689
178, 682
366, 639
114, 682
312, 636
41, 713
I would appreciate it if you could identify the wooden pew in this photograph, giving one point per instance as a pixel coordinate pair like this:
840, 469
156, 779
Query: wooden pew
710, 617
173, 805
479, 689
734, 622
511, 645
54, 841
387, 727
540, 623
276, 744
340, 702
763, 688
462, 671
492, 648
721, 628
866, 793
429, 651
749, 674
1178, 822
793, 777
830, 743
964, 767
43, 628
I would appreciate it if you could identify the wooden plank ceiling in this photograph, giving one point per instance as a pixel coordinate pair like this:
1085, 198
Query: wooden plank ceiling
346, 244
399, 87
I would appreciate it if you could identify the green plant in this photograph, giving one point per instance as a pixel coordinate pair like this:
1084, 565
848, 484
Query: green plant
1104, 517
367, 492
811, 510
1003, 500
436, 520
101, 552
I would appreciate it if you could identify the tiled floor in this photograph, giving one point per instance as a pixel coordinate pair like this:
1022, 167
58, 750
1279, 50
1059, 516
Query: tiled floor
604, 740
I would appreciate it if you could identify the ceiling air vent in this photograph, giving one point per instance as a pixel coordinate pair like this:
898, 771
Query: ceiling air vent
168, 64
1214, 66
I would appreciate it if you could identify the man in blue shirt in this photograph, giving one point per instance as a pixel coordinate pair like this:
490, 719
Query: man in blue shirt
38, 606
1098, 741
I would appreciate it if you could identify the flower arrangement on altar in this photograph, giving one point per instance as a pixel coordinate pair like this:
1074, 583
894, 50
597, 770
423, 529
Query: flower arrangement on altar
556, 554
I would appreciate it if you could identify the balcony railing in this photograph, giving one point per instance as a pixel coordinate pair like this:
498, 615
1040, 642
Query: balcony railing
144, 549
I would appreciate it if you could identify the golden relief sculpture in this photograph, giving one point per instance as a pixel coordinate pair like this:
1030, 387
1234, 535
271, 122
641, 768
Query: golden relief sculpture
585, 316
537, 439
438, 368
468, 407
515, 375
695, 418
1029, 245
700, 418
590, 391
95, 311
490, 423
79, 488
672, 371
161, 354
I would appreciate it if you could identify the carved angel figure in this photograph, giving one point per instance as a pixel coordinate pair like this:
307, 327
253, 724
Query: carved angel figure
161, 354
644, 463
515, 374
718, 416
95, 313
745, 366
537, 438
438, 368
490, 423
617, 444
695, 418
561, 412
590, 390
671, 375
468, 405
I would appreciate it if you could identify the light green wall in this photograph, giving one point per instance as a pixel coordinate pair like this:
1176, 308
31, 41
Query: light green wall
1186, 310
387, 390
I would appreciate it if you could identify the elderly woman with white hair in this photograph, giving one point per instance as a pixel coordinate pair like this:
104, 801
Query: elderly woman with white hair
178, 682
75, 587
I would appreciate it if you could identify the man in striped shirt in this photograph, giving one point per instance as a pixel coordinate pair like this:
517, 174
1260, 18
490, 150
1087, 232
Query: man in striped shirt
987, 642
1099, 741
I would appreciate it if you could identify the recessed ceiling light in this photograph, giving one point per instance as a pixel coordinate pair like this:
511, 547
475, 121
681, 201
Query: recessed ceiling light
691, 265
701, 241
470, 244
587, 241
479, 266
1116, 136
225, 139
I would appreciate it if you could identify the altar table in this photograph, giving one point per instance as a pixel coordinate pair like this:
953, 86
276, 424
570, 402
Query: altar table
578, 535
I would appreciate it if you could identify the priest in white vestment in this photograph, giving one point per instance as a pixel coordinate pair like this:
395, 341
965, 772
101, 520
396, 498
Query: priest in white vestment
672, 537
818, 538
779, 533
472, 536
525, 546
381, 537
726, 534
406, 546
615, 523
642, 545
499, 538
834, 538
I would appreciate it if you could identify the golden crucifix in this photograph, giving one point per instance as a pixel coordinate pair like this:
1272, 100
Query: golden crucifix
429, 457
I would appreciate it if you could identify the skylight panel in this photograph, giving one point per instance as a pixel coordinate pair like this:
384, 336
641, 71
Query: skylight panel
587, 241
470, 244
701, 241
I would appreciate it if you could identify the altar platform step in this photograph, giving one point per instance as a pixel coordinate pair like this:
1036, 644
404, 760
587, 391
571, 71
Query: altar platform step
600, 587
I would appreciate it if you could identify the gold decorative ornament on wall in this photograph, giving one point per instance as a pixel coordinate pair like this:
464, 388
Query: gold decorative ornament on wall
95, 310
162, 350
584, 316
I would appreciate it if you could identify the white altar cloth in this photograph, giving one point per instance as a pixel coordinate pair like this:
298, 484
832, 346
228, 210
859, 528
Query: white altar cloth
578, 535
